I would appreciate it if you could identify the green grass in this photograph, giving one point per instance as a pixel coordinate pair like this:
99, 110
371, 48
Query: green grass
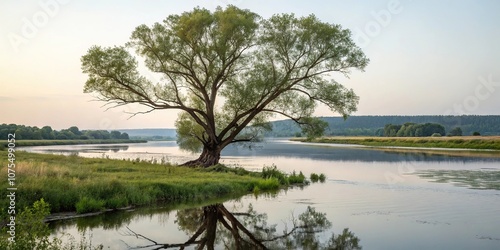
465, 142
72, 183
69, 142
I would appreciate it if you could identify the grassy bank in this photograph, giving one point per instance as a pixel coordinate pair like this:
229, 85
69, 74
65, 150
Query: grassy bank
20, 143
72, 183
464, 142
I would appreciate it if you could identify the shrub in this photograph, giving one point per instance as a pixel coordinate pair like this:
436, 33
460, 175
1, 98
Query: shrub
33, 233
476, 133
322, 178
314, 177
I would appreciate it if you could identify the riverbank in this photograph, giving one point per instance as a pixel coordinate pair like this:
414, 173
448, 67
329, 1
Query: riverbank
462, 142
21, 143
85, 185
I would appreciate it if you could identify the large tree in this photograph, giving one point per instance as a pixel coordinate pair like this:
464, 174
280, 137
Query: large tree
229, 70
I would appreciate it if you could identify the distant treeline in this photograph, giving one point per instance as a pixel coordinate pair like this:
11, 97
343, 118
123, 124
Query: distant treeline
47, 133
413, 130
374, 125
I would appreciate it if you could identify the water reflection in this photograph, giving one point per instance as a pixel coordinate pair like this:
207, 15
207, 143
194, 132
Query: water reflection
75, 150
357, 194
483, 179
334, 152
214, 226
274, 149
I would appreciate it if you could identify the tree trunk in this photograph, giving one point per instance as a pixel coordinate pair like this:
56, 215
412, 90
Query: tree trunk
209, 156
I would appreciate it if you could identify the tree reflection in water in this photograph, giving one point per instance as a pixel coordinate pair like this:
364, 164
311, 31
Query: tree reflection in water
214, 226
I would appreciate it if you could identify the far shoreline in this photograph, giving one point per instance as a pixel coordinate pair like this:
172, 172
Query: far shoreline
30, 143
488, 146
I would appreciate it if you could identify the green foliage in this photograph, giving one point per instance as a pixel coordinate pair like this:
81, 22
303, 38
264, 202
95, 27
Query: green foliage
322, 178
89, 205
391, 130
259, 68
412, 129
455, 132
47, 133
313, 127
33, 233
475, 133
187, 132
273, 172
374, 125
296, 178
267, 185
314, 177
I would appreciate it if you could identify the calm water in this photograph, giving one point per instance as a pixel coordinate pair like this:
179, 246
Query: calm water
376, 194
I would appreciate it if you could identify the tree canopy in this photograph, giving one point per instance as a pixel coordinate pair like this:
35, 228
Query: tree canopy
229, 69
414, 130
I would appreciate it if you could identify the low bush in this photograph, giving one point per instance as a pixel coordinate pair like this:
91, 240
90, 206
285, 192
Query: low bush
33, 233
322, 178
314, 177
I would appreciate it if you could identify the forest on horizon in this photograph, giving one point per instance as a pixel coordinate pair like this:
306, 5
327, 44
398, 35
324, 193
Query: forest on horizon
374, 125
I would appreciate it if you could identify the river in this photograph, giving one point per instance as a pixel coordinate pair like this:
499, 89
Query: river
386, 199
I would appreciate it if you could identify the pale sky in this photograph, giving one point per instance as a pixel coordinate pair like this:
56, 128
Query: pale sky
427, 57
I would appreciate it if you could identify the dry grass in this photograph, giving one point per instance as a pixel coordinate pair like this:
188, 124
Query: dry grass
32, 169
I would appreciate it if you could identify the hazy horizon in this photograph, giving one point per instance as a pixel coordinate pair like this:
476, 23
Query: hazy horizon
426, 58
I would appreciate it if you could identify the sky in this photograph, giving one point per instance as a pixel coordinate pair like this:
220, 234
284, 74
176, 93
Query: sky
426, 57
